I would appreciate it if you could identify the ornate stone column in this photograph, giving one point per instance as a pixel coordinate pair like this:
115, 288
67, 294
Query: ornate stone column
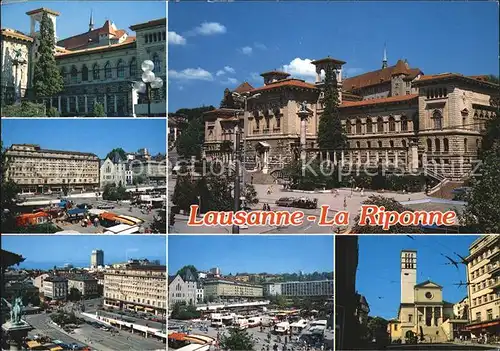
303, 114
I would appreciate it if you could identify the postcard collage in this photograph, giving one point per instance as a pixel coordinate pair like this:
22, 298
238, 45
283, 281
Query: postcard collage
237, 175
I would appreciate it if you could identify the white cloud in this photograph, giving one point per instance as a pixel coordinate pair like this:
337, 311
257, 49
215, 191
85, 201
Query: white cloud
260, 46
220, 73
301, 68
247, 50
229, 81
210, 28
176, 39
255, 77
229, 69
190, 74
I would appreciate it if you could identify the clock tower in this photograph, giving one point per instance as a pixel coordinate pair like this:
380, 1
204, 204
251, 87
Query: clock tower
408, 275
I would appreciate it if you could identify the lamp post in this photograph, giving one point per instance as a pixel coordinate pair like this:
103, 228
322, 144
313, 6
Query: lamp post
149, 82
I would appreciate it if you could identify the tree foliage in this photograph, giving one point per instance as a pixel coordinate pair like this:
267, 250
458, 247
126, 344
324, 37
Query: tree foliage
331, 134
192, 136
160, 222
184, 312
74, 295
24, 109
98, 111
183, 270
482, 211
390, 204
228, 100
112, 192
185, 191
250, 195
237, 340
120, 151
47, 80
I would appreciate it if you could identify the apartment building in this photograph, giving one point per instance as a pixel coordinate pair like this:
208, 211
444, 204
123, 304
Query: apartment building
55, 288
85, 284
224, 288
483, 277
313, 288
37, 170
136, 286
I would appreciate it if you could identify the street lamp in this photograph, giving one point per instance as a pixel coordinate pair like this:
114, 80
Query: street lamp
149, 82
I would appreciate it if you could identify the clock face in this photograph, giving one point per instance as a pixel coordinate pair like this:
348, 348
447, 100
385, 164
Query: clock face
428, 295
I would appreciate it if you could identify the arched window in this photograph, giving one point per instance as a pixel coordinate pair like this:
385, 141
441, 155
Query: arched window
438, 145
403, 143
348, 127
120, 69
392, 124
391, 143
358, 126
368, 144
438, 120
466, 146
429, 145
380, 144
380, 125
369, 126
133, 68
157, 63
478, 143
107, 70
358, 144
446, 145
85, 73
95, 72
74, 75
404, 124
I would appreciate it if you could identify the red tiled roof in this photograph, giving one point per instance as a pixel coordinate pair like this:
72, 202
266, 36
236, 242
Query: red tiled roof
83, 40
379, 76
457, 76
243, 88
15, 34
328, 59
127, 42
386, 100
152, 23
297, 83
276, 73
43, 9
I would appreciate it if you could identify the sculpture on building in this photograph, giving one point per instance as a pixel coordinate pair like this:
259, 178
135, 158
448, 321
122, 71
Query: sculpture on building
303, 107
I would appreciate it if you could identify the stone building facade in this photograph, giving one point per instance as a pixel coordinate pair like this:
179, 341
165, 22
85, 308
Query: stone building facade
183, 289
55, 288
115, 171
396, 117
224, 288
97, 66
139, 287
37, 170
85, 284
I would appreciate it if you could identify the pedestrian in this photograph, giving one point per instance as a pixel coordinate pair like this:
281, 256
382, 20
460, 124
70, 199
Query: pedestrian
96, 222
251, 180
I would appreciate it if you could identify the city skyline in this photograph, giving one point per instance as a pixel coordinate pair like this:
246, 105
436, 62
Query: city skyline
378, 277
74, 16
98, 136
252, 254
203, 33
77, 249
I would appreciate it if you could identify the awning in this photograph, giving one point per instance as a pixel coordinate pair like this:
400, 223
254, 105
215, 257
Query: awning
486, 324
264, 144
108, 216
177, 336
32, 344
76, 211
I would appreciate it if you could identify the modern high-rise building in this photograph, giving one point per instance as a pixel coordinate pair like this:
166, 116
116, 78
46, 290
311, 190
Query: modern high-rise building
97, 259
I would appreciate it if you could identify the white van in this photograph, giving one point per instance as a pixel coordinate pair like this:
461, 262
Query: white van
282, 328
254, 322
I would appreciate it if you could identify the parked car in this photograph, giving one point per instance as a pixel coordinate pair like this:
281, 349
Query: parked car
285, 202
84, 205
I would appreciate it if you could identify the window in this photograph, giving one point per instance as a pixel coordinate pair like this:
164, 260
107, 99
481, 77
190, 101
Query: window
85, 73
446, 145
410, 318
391, 143
146, 38
392, 124
267, 123
278, 122
429, 145
369, 144
157, 63
154, 37
380, 144
74, 75
369, 126
133, 68
466, 148
380, 125
64, 75
358, 144
163, 35
438, 145
404, 124
438, 120
120, 69
403, 143
95, 72
348, 127
358, 126
150, 38
107, 70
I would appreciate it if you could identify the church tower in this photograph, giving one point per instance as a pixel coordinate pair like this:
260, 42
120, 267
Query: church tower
91, 22
384, 61
408, 275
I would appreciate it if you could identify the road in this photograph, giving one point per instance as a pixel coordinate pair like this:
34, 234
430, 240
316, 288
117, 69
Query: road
351, 200
88, 335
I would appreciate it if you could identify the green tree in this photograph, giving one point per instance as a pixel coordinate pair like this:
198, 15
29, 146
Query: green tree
331, 134
139, 179
228, 100
98, 111
377, 328
309, 178
160, 222
215, 191
52, 112
185, 192
47, 80
112, 192
390, 204
191, 140
482, 211
24, 109
183, 270
74, 295
120, 151
250, 194
237, 340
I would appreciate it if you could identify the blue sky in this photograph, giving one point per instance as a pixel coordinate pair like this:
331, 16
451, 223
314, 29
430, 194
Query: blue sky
74, 15
378, 275
241, 40
47, 251
251, 254
98, 136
